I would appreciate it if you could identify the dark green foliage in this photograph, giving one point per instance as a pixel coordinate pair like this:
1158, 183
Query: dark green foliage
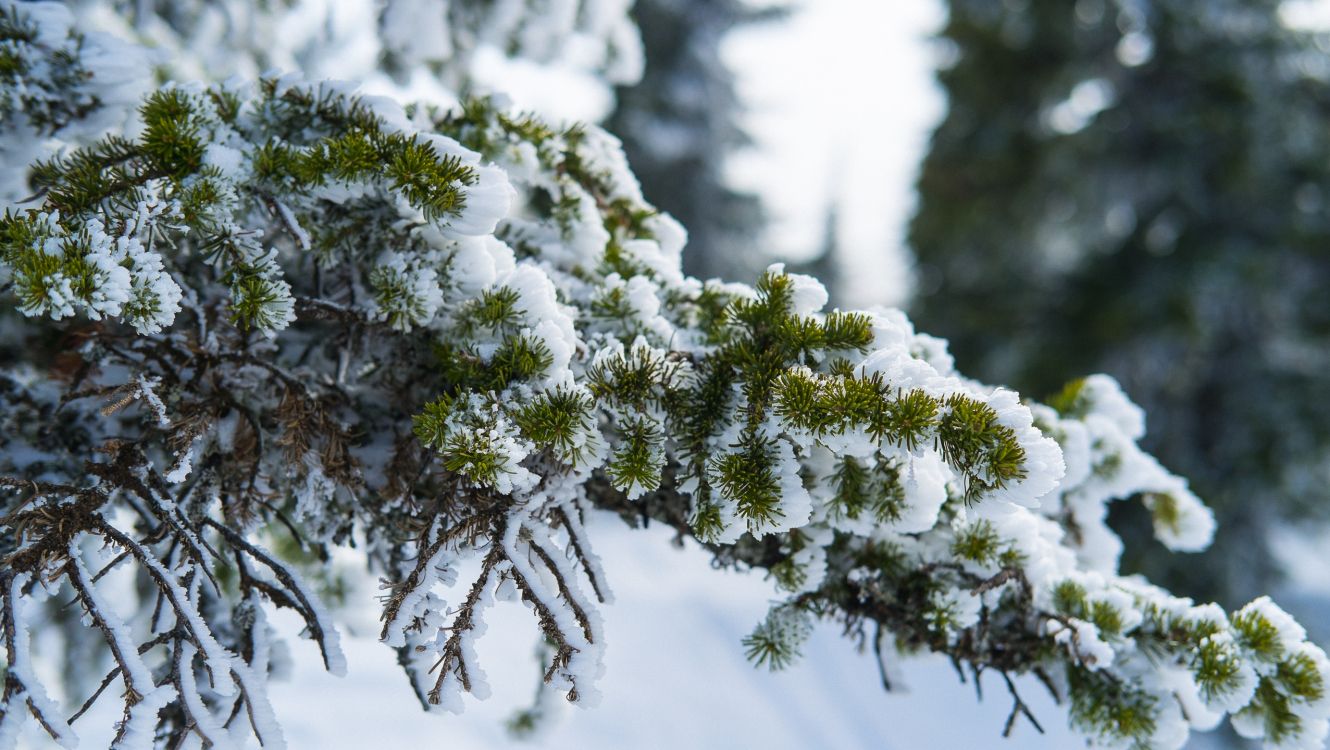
1218, 668
1069, 598
639, 458
638, 379
430, 424
706, 519
776, 642
1300, 677
1175, 240
750, 477
463, 431
518, 358
1275, 710
172, 146
413, 167
253, 298
554, 420
172, 142
88, 175
712, 307
910, 417
853, 492
612, 304
876, 488
985, 452
1259, 635
495, 311
843, 330
1103, 705
978, 543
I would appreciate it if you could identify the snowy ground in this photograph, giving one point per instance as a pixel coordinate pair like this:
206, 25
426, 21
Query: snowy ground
676, 677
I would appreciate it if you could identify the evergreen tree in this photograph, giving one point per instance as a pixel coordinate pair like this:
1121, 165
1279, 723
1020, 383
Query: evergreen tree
273, 318
680, 123
1139, 188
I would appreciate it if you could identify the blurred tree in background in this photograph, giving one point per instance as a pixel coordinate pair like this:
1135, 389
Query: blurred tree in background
1139, 188
681, 122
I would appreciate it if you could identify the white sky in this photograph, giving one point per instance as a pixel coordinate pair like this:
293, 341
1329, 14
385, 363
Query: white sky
1306, 14
841, 103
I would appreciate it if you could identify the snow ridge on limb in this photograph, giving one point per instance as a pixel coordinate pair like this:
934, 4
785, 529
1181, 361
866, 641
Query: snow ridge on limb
451, 334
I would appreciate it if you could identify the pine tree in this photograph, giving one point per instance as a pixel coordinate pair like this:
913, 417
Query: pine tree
276, 318
680, 124
1138, 188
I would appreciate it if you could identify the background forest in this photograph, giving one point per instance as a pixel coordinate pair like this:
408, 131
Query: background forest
1132, 188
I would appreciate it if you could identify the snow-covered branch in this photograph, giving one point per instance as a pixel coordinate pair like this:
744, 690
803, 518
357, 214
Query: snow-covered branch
281, 316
